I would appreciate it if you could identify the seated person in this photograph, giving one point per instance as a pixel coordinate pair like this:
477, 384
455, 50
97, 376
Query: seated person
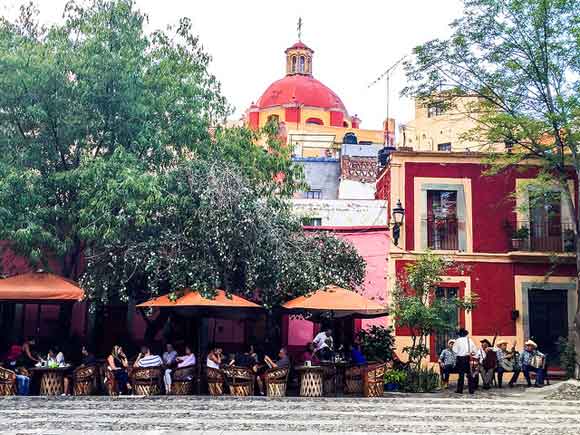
87, 357
13, 355
356, 356
246, 359
22, 382
323, 344
506, 362
55, 357
447, 361
182, 361
117, 363
528, 363
28, 357
283, 360
169, 355
214, 357
147, 359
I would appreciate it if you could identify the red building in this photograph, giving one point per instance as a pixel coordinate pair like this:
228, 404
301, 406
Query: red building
526, 285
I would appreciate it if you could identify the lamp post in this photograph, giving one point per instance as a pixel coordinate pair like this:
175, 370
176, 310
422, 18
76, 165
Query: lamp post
398, 217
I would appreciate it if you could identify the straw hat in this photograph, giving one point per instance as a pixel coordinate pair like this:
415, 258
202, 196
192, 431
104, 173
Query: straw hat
450, 342
531, 343
500, 342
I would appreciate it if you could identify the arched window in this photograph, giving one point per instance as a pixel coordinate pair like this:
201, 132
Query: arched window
301, 64
316, 121
345, 124
293, 64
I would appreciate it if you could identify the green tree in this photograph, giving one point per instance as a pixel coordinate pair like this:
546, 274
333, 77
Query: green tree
520, 59
417, 309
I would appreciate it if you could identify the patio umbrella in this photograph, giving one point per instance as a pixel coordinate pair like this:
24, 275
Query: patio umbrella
192, 302
35, 287
338, 302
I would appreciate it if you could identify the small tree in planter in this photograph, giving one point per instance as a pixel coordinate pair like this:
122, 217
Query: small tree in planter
519, 238
416, 308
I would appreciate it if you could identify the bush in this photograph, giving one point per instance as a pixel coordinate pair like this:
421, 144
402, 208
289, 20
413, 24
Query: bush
395, 377
420, 380
567, 356
377, 343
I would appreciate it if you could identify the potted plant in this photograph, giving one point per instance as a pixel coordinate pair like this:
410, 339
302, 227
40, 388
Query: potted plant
519, 238
394, 379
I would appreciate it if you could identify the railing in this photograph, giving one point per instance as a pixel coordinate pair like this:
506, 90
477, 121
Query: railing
442, 233
545, 237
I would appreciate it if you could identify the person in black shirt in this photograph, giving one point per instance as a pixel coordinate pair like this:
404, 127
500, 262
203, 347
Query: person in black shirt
87, 357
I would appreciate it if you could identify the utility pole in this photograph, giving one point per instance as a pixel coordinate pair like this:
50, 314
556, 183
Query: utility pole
387, 75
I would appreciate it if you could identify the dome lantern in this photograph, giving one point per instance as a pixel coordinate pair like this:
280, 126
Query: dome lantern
299, 59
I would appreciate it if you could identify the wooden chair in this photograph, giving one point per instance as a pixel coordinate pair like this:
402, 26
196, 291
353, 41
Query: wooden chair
182, 380
276, 381
353, 382
215, 381
84, 380
146, 381
240, 380
328, 379
7, 382
374, 380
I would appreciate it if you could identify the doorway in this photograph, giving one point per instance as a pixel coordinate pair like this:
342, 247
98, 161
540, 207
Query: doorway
548, 311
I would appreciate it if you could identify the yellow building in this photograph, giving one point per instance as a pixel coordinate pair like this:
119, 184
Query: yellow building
313, 116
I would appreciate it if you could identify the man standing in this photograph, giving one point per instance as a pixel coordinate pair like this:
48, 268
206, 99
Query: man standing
323, 344
464, 349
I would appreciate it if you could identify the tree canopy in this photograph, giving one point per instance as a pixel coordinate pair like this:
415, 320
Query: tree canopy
115, 163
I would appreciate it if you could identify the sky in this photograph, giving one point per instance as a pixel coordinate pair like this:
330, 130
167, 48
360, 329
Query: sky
354, 42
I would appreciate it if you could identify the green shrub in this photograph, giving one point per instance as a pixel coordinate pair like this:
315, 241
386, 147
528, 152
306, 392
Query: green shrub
395, 377
567, 356
377, 343
420, 380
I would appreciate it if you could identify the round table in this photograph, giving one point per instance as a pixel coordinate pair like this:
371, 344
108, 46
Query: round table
52, 380
310, 380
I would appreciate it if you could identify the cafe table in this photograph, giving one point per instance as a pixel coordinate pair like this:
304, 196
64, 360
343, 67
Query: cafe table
310, 380
51, 379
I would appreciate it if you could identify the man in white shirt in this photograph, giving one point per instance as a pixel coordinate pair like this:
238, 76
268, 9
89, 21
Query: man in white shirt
323, 344
464, 348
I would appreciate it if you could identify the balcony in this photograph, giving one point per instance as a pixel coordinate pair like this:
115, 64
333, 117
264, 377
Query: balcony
442, 233
544, 237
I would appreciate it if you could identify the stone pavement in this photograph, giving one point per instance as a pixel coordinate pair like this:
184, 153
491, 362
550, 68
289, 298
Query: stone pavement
506, 412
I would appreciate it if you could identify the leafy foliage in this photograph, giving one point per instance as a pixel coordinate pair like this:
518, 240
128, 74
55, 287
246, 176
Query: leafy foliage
395, 376
415, 306
567, 356
377, 343
420, 380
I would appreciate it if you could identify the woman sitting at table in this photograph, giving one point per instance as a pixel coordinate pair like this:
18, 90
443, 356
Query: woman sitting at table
117, 362
214, 357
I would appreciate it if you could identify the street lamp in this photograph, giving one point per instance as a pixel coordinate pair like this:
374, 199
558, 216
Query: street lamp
398, 217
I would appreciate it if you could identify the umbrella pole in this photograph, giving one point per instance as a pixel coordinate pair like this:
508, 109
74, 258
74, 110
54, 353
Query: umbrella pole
199, 359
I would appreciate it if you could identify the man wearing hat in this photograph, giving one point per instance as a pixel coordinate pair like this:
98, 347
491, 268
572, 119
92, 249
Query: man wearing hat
507, 361
464, 348
532, 360
447, 361
487, 363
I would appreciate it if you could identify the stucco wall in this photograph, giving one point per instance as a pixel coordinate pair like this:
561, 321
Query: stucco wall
321, 174
343, 213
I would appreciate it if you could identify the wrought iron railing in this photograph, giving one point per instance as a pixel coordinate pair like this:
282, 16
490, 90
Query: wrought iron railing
544, 237
442, 233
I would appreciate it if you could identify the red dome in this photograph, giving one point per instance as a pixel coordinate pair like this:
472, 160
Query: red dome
302, 89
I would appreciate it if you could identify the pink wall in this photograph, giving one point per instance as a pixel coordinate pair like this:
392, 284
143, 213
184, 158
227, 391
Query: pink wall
373, 246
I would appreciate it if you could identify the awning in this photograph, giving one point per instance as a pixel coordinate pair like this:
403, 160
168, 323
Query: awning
338, 302
39, 287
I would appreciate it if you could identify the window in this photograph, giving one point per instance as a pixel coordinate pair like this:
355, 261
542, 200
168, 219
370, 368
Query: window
293, 69
314, 194
435, 109
444, 146
443, 294
442, 223
312, 222
546, 221
301, 64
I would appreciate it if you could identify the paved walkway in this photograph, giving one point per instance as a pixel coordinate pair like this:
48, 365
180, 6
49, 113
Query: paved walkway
514, 413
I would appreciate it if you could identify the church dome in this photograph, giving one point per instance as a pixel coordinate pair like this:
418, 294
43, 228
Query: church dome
303, 90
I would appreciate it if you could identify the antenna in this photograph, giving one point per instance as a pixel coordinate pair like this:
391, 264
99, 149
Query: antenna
387, 74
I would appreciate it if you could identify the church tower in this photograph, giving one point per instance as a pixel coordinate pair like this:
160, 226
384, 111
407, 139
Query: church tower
299, 60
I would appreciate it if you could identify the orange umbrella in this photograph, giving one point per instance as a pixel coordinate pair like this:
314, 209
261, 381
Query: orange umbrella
193, 298
338, 301
39, 286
